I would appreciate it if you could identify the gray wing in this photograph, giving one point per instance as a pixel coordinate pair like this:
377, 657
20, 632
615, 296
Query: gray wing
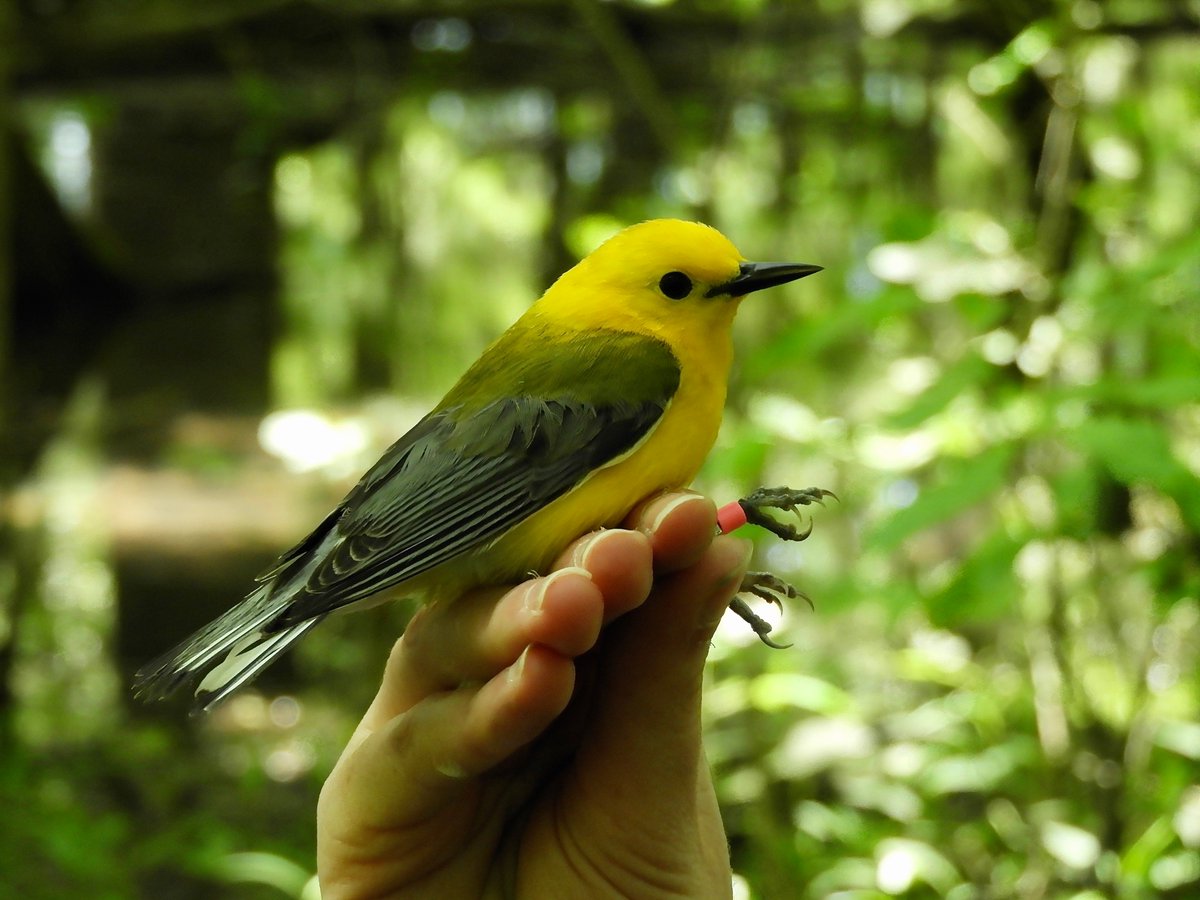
459, 479
448, 486
451, 485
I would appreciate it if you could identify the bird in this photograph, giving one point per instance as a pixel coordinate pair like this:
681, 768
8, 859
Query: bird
609, 389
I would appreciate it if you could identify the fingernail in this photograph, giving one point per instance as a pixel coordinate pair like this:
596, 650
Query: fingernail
517, 668
584, 551
536, 598
670, 508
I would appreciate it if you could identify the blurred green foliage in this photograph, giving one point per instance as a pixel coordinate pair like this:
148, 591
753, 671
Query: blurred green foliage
998, 693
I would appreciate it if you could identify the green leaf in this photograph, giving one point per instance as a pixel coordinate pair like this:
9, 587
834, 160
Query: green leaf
968, 371
849, 322
983, 589
1153, 842
1077, 497
265, 868
1137, 451
1167, 392
774, 691
969, 482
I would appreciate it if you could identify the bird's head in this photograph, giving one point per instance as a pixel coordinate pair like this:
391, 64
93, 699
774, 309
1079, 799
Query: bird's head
665, 276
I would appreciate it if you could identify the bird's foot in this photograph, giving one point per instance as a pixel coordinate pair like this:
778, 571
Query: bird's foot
764, 585
784, 498
767, 587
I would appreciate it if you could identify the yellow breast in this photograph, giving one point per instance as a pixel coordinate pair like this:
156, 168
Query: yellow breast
667, 458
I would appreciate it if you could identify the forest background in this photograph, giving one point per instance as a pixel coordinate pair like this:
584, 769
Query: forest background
245, 243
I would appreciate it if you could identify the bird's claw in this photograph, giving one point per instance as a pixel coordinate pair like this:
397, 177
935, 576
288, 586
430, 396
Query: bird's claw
785, 499
767, 587
764, 585
758, 625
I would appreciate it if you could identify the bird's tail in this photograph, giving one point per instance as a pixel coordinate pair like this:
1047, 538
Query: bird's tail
226, 653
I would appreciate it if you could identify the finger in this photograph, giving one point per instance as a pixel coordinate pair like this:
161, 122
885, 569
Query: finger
619, 563
680, 527
474, 636
405, 774
669, 637
470, 639
646, 737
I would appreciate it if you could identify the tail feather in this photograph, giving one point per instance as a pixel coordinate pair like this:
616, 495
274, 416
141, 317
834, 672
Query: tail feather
226, 653
244, 661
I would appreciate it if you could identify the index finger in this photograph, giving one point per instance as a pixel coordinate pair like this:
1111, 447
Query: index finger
680, 526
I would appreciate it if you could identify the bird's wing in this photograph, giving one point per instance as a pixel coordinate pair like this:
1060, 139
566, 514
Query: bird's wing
530, 420
464, 476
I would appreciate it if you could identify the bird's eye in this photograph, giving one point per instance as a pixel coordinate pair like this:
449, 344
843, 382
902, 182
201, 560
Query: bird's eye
675, 285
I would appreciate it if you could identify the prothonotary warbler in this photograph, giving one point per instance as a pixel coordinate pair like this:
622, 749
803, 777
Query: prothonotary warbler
609, 389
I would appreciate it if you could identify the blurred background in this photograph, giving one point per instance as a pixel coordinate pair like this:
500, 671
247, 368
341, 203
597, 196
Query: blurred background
244, 244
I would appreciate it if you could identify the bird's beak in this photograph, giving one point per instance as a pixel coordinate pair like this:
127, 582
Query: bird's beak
756, 276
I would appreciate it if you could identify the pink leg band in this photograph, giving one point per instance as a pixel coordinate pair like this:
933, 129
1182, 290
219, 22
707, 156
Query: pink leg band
730, 517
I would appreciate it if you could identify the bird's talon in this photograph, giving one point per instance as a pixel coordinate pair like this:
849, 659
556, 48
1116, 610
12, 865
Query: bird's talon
763, 594
758, 625
766, 587
786, 500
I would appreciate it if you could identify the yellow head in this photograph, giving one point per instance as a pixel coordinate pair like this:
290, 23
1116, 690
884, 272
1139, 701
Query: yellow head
665, 277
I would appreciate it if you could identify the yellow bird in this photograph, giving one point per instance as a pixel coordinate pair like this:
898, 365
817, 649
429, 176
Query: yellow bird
609, 389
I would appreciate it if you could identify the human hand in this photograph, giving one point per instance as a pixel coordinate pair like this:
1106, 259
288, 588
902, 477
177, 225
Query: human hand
515, 749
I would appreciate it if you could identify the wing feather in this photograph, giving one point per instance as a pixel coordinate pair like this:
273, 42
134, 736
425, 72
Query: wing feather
464, 480
458, 480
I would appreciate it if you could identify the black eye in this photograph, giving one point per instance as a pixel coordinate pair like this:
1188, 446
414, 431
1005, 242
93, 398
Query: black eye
675, 285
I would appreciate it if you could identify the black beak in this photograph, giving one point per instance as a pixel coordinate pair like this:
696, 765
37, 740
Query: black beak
756, 276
